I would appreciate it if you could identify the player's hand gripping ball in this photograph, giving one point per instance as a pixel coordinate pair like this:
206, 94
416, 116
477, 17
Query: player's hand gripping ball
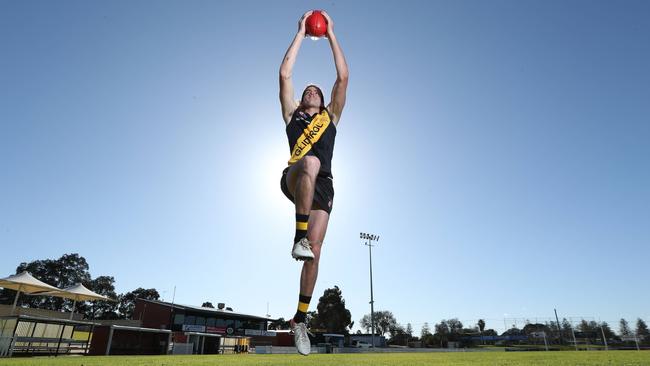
316, 24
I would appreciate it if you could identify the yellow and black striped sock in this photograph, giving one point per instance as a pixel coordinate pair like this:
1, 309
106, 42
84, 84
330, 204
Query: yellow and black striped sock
301, 227
303, 305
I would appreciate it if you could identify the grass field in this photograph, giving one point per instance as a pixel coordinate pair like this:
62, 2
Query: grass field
627, 358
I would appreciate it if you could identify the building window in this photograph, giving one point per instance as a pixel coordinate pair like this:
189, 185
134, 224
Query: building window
253, 324
200, 320
211, 322
179, 319
190, 319
221, 322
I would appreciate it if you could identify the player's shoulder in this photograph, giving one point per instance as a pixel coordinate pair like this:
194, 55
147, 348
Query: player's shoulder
333, 117
291, 113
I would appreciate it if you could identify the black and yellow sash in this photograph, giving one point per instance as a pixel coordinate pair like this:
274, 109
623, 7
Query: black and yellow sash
310, 135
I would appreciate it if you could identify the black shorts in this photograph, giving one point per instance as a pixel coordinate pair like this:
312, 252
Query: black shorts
323, 194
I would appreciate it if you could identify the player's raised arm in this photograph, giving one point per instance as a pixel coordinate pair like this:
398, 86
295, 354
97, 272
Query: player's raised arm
339, 90
287, 100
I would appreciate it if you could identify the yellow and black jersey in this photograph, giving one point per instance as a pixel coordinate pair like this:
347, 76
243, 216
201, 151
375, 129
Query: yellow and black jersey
312, 135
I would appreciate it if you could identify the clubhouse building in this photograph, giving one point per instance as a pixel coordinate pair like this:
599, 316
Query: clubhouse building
207, 330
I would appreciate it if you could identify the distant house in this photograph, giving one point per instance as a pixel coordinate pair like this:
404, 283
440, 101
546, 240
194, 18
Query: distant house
380, 341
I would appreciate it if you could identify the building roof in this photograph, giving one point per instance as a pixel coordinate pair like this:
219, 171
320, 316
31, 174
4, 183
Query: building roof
211, 311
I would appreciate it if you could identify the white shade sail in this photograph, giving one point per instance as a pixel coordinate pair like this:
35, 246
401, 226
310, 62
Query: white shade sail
77, 292
25, 282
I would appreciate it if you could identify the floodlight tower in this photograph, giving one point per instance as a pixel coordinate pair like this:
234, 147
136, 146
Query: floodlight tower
369, 238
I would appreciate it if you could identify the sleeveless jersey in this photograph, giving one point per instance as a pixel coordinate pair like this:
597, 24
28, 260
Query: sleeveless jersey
312, 135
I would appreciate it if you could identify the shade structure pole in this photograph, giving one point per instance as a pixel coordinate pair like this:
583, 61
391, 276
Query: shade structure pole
13, 308
74, 302
58, 345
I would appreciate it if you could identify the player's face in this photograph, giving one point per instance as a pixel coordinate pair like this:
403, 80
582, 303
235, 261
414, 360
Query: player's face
311, 98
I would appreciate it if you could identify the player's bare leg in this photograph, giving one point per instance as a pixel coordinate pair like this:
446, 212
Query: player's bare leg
318, 220
301, 180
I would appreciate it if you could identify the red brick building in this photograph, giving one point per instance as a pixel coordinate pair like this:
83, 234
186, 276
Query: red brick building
209, 330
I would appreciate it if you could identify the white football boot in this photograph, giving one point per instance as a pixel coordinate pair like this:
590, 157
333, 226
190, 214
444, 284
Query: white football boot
301, 338
302, 250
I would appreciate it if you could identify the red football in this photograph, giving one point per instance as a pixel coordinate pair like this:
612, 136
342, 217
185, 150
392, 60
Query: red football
316, 24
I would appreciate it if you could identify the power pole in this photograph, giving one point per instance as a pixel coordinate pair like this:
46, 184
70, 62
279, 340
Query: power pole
557, 320
369, 238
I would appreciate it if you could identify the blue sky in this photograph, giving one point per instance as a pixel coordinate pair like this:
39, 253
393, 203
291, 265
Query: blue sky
500, 149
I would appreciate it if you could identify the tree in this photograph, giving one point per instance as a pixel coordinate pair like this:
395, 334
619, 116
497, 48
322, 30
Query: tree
512, 331
426, 337
442, 328
425, 330
642, 329
554, 329
583, 326
127, 301
44, 270
385, 322
607, 330
455, 326
279, 324
68, 270
624, 328
481, 325
396, 330
409, 330
532, 328
71, 269
441, 335
586, 327
100, 309
332, 314
449, 330
366, 323
207, 304
398, 335
566, 327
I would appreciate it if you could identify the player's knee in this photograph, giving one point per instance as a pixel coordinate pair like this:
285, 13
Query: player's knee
310, 165
313, 263
316, 250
